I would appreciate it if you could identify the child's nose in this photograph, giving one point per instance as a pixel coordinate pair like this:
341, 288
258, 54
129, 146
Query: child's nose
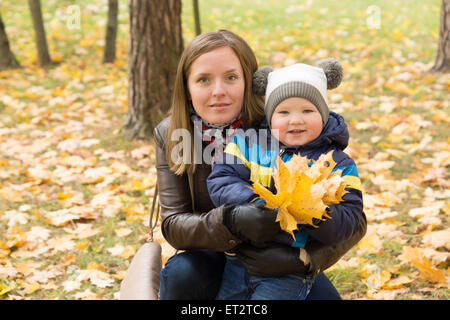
295, 119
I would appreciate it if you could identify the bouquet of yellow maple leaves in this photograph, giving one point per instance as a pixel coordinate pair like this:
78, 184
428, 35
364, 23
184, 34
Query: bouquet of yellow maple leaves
304, 192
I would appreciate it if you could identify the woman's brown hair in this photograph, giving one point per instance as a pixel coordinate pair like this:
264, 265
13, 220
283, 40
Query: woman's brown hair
253, 105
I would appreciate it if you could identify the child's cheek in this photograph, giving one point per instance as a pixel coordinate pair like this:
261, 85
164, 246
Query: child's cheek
276, 133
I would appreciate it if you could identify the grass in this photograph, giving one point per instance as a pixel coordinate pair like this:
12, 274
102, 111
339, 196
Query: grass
347, 281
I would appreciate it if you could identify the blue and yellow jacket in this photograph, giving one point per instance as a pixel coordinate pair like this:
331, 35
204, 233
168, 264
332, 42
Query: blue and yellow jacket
252, 153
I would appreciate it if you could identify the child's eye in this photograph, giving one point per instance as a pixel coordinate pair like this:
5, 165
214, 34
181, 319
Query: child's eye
283, 112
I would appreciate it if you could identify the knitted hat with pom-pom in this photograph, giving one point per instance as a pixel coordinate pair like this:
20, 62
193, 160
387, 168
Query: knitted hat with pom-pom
298, 80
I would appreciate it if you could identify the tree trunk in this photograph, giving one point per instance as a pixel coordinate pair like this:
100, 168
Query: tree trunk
7, 59
155, 46
41, 40
442, 63
198, 29
111, 32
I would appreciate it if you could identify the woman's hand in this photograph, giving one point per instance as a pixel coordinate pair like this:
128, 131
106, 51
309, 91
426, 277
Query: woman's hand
251, 222
273, 261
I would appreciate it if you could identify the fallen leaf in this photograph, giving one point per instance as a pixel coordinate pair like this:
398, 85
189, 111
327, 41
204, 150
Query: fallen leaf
4, 252
83, 230
68, 260
121, 251
26, 267
123, 232
86, 295
95, 266
38, 233
63, 243
7, 272
96, 277
427, 271
32, 288
82, 245
62, 195
5, 288
59, 218
425, 211
141, 152
397, 282
375, 294
378, 279
371, 243
438, 239
92, 180
71, 285
42, 276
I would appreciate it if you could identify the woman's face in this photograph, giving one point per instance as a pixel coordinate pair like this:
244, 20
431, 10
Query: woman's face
216, 85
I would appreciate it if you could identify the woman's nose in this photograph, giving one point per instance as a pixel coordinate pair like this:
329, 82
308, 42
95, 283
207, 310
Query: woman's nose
218, 89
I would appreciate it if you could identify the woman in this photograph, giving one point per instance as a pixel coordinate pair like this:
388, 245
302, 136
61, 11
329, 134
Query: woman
213, 91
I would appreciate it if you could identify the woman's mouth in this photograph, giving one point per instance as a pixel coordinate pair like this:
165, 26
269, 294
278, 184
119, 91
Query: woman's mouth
219, 105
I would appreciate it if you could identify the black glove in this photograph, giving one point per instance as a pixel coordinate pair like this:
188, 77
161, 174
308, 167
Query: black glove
251, 222
275, 260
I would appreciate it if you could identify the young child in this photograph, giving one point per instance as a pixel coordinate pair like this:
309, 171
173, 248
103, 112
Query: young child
299, 121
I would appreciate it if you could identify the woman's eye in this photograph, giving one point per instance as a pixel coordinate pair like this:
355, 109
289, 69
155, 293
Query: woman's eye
232, 77
202, 80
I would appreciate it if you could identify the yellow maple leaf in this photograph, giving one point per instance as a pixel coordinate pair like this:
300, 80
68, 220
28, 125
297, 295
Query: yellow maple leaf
303, 192
82, 245
62, 195
377, 279
427, 271
5, 288
32, 288
4, 252
398, 282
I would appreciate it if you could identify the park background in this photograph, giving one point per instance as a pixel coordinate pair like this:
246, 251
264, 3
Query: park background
75, 193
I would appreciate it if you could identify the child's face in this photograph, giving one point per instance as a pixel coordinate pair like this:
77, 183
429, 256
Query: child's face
296, 122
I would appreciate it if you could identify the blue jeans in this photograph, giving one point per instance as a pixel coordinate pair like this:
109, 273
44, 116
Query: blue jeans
197, 275
237, 284
192, 275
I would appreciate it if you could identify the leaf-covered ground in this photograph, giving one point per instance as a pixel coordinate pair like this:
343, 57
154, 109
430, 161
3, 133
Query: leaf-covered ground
75, 194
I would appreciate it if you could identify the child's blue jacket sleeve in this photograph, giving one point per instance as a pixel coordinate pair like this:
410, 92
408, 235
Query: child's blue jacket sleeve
229, 183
